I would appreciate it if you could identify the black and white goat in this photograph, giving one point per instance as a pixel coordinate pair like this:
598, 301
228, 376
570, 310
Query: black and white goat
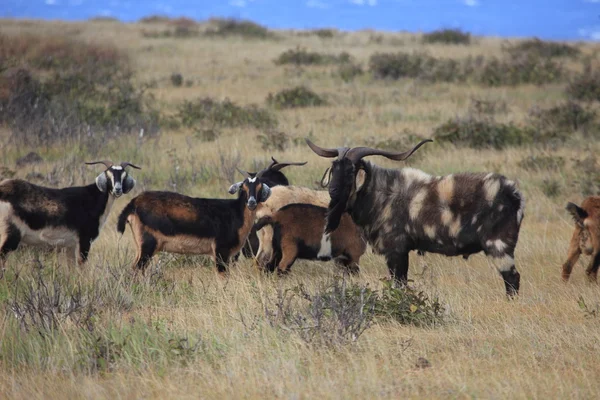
174, 223
272, 177
64, 218
298, 233
406, 209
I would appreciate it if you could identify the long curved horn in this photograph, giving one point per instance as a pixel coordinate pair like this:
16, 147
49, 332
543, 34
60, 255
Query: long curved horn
126, 164
330, 153
108, 164
276, 165
356, 153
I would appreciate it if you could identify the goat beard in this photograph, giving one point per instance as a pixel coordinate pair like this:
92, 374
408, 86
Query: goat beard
339, 191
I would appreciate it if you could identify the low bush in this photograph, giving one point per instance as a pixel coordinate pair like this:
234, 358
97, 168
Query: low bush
235, 27
299, 96
544, 48
274, 140
482, 133
348, 71
561, 121
585, 86
587, 176
224, 113
542, 163
447, 36
176, 79
301, 56
520, 68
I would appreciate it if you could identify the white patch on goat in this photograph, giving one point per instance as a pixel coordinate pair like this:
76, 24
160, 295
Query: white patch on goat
521, 210
445, 189
104, 216
479, 229
447, 216
498, 244
412, 175
491, 188
488, 176
504, 263
500, 207
117, 167
325, 250
455, 227
429, 231
440, 241
407, 228
252, 180
416, 204
474, 219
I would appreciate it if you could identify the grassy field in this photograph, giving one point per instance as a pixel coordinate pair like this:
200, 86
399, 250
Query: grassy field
183, 332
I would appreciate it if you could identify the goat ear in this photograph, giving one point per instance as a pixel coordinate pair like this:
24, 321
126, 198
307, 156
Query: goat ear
128, 184
265, 193
102, 182
361, 177
233, 189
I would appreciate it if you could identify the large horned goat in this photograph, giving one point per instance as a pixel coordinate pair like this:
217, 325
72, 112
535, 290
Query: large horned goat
65, 218
406, 209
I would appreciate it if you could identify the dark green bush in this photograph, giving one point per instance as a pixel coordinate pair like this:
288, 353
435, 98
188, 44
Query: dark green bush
236, 27
561, 121
447, 36
176, 79
301, 56
348, 71
520, 68
585, 86
213, 113
543, 48
299, 96
482, 133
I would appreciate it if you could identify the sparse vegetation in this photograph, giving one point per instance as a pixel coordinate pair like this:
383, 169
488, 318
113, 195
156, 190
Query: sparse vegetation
212, 113
482, 133
299, 96
235, 27
544, 48
447, 36
542, 163
585, 86
301, 56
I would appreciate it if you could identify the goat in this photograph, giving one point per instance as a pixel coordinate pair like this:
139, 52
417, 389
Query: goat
407, 209
175, 223
272, 177
586, 237
280, 197
298, 230
63, 218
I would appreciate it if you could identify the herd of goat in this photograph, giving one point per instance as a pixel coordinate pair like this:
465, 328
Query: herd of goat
394, 210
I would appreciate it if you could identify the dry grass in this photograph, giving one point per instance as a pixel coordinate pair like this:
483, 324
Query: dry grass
539, 346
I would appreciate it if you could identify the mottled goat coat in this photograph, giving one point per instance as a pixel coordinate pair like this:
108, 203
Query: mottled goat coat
586, 237
175, 223
298, 233
272, 176
61, 218
280, 197
406, 209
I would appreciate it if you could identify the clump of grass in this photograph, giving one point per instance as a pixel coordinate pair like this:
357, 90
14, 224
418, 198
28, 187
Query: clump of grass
585, 86
517, 68
235, 27
274, 140
176, 79
544, 48
349, 71
587, 176
223, 114
542, 163
299, 96
301, 56
482, 133
561, 121
447, 36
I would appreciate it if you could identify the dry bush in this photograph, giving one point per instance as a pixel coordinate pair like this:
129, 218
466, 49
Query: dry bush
299, 96
544, 48
224, 113
482, 133
585, 86
234, 27
562, 121
301, 56
542, 163
447, 36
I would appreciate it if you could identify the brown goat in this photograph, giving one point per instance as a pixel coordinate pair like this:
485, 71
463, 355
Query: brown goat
586, 237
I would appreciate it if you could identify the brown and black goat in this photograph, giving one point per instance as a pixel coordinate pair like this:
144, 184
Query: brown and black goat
298, 234
272, 177
586, 237
174, 223
62, 218
407, 209
280, 197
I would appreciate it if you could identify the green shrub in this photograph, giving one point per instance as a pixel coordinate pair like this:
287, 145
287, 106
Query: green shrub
542, 163
176, 79
324, 33
585, 86
207, 135
520, 68
482, 133
561, 121
213, 113
348, 71
299, 96
447, 36
587, 178
543, 48
274, 140
301, 56
551, 188
235, 27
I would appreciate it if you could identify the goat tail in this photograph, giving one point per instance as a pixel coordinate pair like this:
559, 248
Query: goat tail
578, 213
264, 221
127, 211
